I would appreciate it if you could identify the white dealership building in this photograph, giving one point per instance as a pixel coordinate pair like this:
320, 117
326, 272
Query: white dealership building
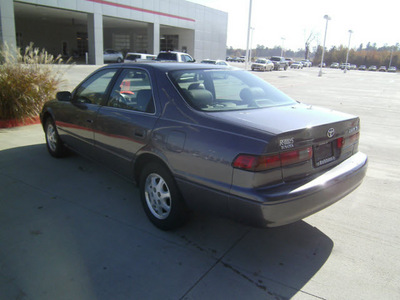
76, 27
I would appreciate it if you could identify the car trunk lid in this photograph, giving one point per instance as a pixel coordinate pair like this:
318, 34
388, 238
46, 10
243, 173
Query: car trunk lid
331, 136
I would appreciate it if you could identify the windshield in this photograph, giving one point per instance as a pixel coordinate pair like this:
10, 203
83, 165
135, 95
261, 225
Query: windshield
226, 90
261, 61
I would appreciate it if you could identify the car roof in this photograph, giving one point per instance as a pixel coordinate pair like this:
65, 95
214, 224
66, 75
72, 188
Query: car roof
168, 66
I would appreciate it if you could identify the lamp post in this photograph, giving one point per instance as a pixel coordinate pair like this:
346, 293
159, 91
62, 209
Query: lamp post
248, 37
348, 51
251, 43
327, 18
283, 40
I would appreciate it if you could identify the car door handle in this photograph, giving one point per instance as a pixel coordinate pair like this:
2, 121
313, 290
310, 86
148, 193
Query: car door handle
141, 133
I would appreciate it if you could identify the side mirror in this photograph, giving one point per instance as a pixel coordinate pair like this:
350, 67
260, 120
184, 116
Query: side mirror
64, 96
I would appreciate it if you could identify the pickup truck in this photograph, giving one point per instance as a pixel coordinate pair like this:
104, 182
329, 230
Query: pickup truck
279, 62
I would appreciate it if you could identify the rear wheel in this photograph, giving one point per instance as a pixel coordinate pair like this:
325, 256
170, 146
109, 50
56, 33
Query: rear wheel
161, 199
53, 141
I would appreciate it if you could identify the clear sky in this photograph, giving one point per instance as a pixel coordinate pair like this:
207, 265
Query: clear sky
294, 20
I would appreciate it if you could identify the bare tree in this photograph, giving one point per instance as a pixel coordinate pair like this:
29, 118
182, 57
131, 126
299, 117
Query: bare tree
307, 43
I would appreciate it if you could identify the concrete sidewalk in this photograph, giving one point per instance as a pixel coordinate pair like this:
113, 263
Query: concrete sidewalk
70, 229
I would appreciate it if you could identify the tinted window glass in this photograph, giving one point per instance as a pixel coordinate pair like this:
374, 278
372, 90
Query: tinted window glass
93, 90
224, 90
132, 91
167, 56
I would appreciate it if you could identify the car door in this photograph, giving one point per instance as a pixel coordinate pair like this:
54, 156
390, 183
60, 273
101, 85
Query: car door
77, 120
124, 123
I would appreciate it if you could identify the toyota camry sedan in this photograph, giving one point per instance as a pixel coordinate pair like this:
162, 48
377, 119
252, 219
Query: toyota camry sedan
210, 138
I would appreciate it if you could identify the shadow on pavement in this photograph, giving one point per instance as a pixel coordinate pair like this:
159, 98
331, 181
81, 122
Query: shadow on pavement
70, 229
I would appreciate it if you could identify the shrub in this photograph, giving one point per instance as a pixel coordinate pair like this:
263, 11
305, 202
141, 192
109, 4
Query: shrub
27, 80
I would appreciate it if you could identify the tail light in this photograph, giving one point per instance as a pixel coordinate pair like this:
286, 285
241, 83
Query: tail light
265, 162
342, 142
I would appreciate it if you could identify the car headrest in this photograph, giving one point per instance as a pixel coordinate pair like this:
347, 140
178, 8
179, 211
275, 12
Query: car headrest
143, 99
196, 86
200, 98
252, 93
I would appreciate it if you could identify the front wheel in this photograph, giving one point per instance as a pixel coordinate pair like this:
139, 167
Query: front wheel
53, 141
161, 199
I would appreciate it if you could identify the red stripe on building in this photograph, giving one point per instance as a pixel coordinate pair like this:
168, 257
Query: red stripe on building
141, 10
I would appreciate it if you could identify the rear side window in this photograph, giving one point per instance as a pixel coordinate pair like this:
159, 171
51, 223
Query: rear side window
226, 90
133, 91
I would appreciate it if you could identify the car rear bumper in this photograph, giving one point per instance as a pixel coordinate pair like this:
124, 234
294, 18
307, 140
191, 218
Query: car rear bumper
291, 202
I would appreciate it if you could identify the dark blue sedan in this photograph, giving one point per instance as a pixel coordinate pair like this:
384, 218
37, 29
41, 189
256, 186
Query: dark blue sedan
203, 137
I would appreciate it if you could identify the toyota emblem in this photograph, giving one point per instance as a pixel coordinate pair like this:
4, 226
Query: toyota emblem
330, 133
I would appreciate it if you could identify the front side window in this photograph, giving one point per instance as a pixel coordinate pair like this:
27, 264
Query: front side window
226, 90
132, 91
94, 89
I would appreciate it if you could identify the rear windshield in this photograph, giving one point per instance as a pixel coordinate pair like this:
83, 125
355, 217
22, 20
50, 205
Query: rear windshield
167, 56
226, 90
132, 56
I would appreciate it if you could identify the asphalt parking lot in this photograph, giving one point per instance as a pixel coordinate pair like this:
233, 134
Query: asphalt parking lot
70, 229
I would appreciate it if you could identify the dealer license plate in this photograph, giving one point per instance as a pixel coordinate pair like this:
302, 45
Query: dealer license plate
323, 154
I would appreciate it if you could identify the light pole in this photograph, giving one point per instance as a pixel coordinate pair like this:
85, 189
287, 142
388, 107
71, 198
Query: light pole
327, 18
248, 37
251, 42
283, 40
348, 51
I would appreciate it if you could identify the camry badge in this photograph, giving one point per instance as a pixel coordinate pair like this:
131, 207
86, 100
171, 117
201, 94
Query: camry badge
330, 133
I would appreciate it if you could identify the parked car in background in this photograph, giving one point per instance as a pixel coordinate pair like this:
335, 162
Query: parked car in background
382, 69
112, 56
372, 68
279, 63
215, 62
392, 69
198, 136
174, 56
136, 57
335, 65
353, 67
362, 67
345, 66
306, 63
297, 65
289, 60
323, 65
262, 64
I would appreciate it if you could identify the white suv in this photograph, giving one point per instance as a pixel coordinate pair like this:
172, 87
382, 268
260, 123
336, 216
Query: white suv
175, 56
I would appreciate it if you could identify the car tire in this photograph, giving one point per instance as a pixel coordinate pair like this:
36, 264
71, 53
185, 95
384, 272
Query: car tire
54, 144
119, 60
161, 199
